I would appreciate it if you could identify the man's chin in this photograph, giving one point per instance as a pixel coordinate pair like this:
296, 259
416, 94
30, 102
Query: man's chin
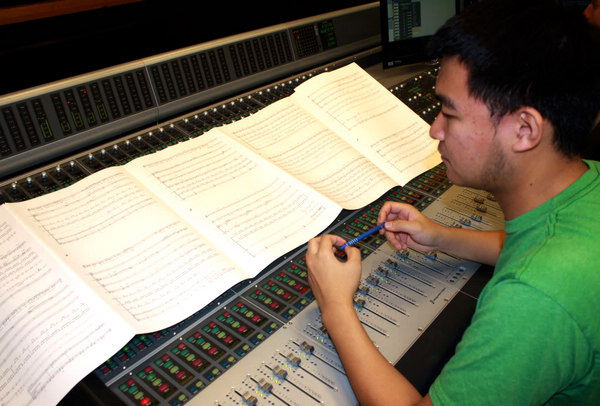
451, 175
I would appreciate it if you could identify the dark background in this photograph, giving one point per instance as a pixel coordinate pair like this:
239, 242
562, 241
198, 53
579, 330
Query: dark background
48, 49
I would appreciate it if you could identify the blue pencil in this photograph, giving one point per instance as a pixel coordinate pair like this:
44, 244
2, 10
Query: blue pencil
363, 236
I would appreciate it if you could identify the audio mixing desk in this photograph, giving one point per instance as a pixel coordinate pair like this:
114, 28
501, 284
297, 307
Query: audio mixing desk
262, 341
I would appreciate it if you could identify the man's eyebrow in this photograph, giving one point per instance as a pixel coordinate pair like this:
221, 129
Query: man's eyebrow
446, 101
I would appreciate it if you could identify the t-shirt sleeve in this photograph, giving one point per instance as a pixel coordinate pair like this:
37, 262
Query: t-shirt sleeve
521, 348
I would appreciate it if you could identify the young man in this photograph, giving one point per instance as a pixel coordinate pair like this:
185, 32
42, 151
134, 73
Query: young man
519, 92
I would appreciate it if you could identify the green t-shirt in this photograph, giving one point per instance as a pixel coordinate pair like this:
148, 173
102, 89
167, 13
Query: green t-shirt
535, 335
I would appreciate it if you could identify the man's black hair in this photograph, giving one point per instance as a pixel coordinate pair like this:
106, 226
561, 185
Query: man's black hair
534, 53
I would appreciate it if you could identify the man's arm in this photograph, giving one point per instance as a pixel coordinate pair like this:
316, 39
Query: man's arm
374, 380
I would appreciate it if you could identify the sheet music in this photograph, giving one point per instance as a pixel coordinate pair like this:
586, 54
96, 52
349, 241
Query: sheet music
55, 331
294, 140
253, 211
371, 119
141, 257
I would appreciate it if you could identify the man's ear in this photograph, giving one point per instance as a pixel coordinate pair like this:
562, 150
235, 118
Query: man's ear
529, 129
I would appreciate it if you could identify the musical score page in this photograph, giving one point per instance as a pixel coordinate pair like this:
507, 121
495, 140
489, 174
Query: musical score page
370, 118
252, 210
139, 256
55, 331
293, 139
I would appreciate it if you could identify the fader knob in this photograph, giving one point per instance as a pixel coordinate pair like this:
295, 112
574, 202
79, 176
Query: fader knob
265, 385
249, 399
363, 289
294, 359
403, 254
308, 348
359, 302
432, 255
373, 280
280, 372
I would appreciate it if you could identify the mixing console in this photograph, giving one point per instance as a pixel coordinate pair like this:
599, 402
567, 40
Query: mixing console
262, 342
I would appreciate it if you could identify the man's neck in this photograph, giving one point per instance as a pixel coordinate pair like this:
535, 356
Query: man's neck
537, 182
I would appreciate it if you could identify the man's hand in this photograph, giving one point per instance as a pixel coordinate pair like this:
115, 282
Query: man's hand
405, 226
333, 282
